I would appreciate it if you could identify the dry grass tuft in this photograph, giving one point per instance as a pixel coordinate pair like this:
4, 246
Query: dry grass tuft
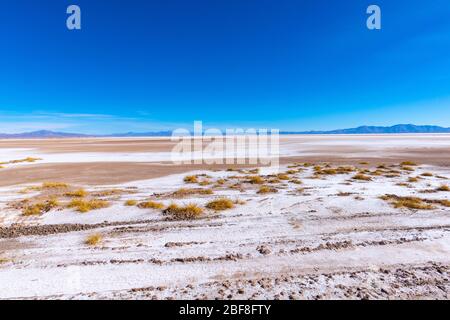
413, 179
408, 163
82, 205
361, 177
150, 205
267, 189
408, 202
427, 174
190, 179
40, 207
255, 180
283, 176
54, 185
80, 193
220, 204
443, 187
188, 212
183, 192
94, 239
130, 203
407, 168
295, 181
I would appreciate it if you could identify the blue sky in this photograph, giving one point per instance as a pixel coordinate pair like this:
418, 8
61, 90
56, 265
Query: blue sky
160, 64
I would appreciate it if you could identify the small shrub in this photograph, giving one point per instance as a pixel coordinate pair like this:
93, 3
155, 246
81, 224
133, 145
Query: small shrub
190, 179
54, 185
295, 181
221, 182
267, 189
188, 212
150, 205
283, 177
40, 208
80, 193
408, 163
427, 174
255, 180
408, 202
362, 177
443, 187
204, 183
220, 204
130, 203
408, 168
94, 239
413, 179
82, 205
183, 192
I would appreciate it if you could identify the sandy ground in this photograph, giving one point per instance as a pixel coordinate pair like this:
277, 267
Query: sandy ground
92, 161
317, 237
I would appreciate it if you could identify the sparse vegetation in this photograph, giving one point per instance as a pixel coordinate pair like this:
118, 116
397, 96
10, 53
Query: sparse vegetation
267, 189
255, 180
150, 205
408, 163
408, 168
54, 185
361, 177
427, 174
130, 203
220, 204
190, 179
83, 206
295, 181
183, 192
40, 207
443, 187
80, 193
408, 202
188, 212
94, 239
413, 179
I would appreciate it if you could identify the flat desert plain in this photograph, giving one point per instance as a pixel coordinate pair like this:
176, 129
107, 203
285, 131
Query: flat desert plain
343, 217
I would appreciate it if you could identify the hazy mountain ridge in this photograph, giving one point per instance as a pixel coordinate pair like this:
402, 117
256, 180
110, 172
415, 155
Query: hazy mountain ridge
400, 128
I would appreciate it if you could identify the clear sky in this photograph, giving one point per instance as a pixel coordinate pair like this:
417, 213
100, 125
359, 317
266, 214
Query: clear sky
290, 64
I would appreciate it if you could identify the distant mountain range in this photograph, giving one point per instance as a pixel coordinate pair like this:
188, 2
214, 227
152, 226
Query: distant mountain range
399, 128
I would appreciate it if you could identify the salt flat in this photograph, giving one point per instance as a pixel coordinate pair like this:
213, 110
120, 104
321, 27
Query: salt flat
320, 233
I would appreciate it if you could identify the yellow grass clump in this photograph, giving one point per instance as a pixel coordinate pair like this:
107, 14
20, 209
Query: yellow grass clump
40, 207
190, 179
295, 181
407, 168
183, 192
413, 179
443, 187
267, 189
94, 239
255, 180
220, 204
54, 185
188, 212
427, 174
361, 177
408, 202
82, 205
283, 176
150, 205
80, 193
408, 163
130, 203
